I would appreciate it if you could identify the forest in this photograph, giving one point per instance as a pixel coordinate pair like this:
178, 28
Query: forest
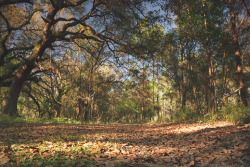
126, 70
125, 61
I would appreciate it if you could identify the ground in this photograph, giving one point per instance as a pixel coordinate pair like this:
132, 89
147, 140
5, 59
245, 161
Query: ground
152, 145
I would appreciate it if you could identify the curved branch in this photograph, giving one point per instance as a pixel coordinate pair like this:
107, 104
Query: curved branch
246, 7
73, 4
34, 99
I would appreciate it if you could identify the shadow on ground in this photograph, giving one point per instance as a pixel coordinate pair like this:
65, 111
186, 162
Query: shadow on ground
218, 144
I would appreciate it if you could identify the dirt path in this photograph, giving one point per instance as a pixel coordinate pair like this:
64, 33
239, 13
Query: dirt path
217, 144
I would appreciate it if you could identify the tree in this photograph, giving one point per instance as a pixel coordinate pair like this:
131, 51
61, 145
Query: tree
242, 87
58, 26
147, 43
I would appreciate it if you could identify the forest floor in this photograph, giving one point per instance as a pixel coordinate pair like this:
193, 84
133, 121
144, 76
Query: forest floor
116, 145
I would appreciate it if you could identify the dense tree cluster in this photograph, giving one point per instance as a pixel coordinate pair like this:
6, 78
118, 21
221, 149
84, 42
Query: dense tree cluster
123, 60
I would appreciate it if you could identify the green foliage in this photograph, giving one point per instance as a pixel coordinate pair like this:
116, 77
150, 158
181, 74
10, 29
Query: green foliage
186, 114
64, 120
237, 114
6, 120
127, 111
168, 66
30, 119
209, 118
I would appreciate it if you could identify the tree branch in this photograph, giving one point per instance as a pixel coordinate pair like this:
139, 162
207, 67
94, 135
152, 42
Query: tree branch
8, 2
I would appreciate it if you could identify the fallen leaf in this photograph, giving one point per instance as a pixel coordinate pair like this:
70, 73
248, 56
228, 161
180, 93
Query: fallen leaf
243, 147
109, 164
191, 163
202, 145
39, 164
4, 160
18, 160
79, 164
8, 149
198, 158
183, 161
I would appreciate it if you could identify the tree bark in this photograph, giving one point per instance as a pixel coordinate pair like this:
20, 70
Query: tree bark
10, 104
182, 87
210, 85
243, 92
157, 89
143, 92
153, 86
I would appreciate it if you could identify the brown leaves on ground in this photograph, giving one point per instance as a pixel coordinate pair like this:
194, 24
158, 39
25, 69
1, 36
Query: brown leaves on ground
217, 144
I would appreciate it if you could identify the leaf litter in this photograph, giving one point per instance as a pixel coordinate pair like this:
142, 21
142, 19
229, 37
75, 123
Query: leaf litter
165, 144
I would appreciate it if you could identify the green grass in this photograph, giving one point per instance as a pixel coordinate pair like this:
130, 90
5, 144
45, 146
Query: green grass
50, 153
7, 120
53, 161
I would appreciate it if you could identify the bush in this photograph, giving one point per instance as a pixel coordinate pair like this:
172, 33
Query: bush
64, 120
6, 120
186, 114
237, 114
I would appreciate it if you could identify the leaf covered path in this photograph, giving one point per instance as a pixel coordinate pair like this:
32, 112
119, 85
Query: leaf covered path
216, 144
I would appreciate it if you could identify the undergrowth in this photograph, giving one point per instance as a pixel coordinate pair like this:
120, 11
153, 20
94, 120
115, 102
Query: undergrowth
237, 114
7, 120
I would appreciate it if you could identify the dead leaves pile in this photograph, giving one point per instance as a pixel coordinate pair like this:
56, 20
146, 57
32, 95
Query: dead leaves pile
216, 144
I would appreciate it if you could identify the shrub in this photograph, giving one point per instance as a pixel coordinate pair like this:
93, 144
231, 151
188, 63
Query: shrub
186, 114
237, 114
6, 120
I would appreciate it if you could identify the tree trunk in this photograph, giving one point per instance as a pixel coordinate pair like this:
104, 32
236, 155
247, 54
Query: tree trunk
210, 79
143, 92
157, 89
10, 104
182, 87
153, 87
80, 102
86, 113
243, 92
210, 86
58, 102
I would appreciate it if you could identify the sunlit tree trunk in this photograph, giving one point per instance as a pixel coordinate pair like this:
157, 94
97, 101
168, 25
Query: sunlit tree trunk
242, 87
143, 92
157, 89
88, 112
153, 86
182, 88
225, 74
80, 101
58, 103
210, 80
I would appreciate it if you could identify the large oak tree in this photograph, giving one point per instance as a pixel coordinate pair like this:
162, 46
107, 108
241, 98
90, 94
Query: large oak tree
30, 28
